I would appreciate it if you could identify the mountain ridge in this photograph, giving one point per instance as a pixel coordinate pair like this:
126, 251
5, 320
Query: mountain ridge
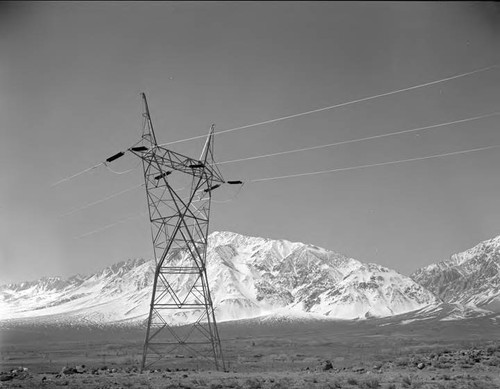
469, 278
250, 277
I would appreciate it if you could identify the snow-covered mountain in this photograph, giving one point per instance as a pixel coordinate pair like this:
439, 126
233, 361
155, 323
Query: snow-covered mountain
261, 276
119, 292
249, 277
470, 278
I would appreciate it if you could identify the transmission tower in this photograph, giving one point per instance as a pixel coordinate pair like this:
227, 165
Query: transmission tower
181, 319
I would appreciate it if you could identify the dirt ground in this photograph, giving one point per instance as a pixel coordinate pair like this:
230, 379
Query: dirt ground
365, 354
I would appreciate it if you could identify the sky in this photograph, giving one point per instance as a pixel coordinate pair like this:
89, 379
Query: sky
71, 74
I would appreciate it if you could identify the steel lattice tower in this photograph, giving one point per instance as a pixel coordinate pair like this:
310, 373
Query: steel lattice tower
179, 226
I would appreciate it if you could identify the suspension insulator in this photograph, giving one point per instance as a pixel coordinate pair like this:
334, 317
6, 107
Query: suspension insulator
234, 182
211, 188
139, 148
116, 156
159, 177
196, 165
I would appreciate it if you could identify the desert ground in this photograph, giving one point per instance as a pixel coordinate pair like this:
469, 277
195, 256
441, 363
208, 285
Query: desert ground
376, 353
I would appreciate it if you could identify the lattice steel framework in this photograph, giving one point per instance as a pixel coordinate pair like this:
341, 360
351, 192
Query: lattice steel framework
181, 319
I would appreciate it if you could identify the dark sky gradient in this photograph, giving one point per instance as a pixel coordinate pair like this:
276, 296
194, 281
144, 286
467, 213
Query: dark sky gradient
70, 78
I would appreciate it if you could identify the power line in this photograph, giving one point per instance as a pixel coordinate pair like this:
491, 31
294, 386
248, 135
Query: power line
89, 169
374, 164
232, 198
131, 216
296, 151
116, 156
296, 115
338, 105
110, 225
100, 200
316, 173
76, 174
105, 199
122, 172
360, 139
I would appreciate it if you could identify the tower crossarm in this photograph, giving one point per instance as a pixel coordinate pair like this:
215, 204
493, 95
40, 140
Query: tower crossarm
168, 159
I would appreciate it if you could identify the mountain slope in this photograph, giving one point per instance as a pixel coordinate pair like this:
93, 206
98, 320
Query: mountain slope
307, 278
249, 277
117, 292
470, 278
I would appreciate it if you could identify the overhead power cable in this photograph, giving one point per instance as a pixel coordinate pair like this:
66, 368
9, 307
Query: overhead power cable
232, 198
118, 155
111, 225
339, 105
122, 172
131, 217
290, 152
105, 163
105, 199
360, 139
77, 174
100, 200
316, 173
124, 219
374, 164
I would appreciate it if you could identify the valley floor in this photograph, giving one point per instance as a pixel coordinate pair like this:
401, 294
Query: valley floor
310, 354
264, 380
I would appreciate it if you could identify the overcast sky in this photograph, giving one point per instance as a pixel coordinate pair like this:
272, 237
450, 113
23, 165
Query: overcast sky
70, 78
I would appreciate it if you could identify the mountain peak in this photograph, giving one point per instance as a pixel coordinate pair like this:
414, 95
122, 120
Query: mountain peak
469, 278
486, 247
